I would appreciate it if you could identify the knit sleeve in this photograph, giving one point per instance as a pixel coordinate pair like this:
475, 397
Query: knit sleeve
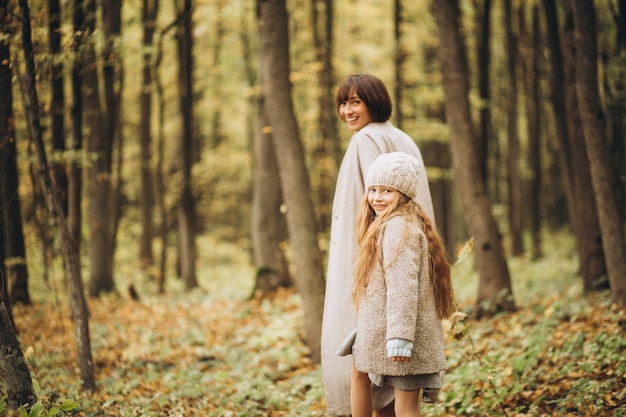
399, 347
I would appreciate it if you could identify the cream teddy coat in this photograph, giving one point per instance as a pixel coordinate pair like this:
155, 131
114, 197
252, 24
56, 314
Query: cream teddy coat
339, 315
399, 303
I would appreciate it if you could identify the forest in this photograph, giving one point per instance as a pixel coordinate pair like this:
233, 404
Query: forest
167, 175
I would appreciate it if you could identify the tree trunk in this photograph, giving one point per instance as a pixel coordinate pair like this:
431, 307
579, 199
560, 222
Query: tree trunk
514, 184
148, 18
533, 107
557, 86
483, 13
269, 228
57, 103
327, 151
100, 150
274, 51
160, 174
19, 384
399, 59
186, 204
584, 215
216, 125
494, 288
113, 76
4, 284
15, 251
68, 246
75, 169
594, 130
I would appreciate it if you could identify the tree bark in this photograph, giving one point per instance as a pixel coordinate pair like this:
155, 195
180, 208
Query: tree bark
532, 79
269, 228
57, 103
483, 13
513, 152
69, 249
75, 169
309, 275
494, 288
186, 203
15, 250
594, 130
100, 151
4, 284
327, 152
148, 17
19, 384
399, 59
584, 214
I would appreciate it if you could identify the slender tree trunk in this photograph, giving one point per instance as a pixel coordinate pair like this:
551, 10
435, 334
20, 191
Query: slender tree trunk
186, 204
159, 184
585, 223
149, 14
113, 76
594, 130
557, 95
217, 134
69, 249
483, 12
4, 284
494, 288
57, 104
15, 250
100, 149
327, 148
19, 384
269, 228
274, 50
514, 183
75, 169
399, 59
533, 107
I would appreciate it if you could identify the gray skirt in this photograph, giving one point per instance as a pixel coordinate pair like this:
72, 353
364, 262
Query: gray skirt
429, 383
413, 382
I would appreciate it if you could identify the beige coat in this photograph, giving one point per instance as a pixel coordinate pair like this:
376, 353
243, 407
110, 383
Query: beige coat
399, 303
339, 314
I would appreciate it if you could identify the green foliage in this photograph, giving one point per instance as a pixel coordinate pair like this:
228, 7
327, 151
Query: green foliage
42, 408
553, 359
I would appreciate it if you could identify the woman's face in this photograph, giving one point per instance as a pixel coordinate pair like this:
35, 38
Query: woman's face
381, 198
354, 112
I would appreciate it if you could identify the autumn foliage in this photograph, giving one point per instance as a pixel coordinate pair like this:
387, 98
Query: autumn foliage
191, 355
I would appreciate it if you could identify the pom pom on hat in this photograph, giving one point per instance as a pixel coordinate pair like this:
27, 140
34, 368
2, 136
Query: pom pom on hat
396, 170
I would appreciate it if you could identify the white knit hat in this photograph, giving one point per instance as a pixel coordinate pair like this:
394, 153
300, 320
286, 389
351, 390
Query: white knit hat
396, 170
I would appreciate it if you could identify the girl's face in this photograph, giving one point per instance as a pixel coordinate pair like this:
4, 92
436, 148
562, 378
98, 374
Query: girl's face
354, 112
381, 198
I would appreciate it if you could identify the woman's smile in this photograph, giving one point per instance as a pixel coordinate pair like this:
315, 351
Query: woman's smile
354, 112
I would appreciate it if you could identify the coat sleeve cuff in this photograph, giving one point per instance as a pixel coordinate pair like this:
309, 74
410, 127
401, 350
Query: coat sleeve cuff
399, 347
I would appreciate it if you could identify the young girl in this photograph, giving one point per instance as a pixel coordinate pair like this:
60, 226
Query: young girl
402, 290
364, 105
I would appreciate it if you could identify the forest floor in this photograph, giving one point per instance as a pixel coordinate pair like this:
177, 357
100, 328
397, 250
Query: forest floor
187, 354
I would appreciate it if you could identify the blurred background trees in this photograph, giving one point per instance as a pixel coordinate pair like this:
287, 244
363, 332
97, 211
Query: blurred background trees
157, 128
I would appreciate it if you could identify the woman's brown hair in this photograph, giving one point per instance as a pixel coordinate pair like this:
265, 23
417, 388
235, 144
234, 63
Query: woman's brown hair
371, 91
368, 227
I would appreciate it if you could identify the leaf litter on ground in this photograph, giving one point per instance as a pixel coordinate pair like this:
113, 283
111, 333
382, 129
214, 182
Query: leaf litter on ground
188, 355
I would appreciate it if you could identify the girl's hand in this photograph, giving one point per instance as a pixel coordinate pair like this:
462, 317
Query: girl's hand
404, 359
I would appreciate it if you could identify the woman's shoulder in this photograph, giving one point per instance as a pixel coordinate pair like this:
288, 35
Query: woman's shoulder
373, 129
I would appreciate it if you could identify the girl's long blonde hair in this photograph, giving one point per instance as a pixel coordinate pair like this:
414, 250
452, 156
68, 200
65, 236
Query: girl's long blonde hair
368, 226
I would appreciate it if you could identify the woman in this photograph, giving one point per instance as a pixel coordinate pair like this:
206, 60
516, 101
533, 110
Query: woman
364, 104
